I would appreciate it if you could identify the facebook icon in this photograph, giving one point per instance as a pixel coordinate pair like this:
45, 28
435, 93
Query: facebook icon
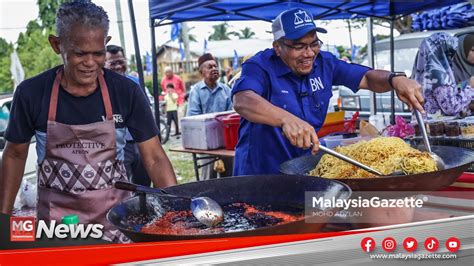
367, 244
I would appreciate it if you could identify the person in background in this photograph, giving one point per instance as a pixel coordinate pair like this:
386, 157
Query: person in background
210, 96
185, 102
463, 62
115, 60
283, 94
229, 74
78, 113
434, 70
171, 99
178, 84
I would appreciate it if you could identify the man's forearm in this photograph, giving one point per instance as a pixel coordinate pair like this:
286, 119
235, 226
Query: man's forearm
377, 81
161, 173
256, 109
157, 164
11, 174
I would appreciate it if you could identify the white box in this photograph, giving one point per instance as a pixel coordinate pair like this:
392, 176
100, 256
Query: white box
202, 132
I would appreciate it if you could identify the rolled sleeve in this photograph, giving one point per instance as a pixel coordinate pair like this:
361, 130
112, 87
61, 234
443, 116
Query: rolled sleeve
253, 78
349, 75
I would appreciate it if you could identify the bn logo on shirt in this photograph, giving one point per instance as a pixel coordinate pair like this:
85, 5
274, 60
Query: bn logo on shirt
22, 229
316, 84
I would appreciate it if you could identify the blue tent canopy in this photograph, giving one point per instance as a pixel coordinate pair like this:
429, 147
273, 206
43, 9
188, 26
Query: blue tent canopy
164, 12
226, 10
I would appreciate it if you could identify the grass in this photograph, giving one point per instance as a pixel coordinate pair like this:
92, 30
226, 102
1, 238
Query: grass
182, 162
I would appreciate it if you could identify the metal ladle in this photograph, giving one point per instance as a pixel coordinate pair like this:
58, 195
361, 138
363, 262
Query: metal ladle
206, 210
421, 124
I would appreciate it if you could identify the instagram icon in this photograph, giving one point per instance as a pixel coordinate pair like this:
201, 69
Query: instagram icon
389, 244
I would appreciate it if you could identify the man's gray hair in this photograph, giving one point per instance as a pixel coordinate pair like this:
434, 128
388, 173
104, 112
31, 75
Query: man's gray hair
80, 12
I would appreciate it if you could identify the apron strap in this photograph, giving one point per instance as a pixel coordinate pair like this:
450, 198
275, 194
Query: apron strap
105, 96
53, 105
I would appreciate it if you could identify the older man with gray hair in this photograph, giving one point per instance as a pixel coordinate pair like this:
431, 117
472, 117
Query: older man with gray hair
78, 113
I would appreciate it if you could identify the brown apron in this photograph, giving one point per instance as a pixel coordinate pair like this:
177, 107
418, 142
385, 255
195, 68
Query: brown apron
80, 168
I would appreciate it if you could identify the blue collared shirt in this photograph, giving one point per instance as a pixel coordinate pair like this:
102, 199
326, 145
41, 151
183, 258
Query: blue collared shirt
203, 100
262, 148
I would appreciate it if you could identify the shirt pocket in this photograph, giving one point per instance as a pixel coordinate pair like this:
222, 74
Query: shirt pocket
287, 100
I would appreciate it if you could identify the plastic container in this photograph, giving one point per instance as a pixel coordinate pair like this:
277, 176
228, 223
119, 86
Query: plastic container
452, 129
436, 128
339, 139
202, 132
467, 128
327, 129
231, 125
334, 117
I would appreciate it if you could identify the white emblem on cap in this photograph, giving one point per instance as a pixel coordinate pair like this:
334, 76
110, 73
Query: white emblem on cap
298, 19
307, 18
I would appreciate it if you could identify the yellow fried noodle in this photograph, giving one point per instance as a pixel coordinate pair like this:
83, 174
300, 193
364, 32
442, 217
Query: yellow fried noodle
385, 154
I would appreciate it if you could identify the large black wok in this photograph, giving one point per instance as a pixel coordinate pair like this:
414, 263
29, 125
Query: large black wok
277, 192
457, 161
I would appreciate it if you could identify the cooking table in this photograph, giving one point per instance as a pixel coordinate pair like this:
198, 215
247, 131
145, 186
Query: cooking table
199, 155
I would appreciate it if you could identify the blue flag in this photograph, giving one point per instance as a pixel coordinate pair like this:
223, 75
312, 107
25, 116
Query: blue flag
205, 46
235, 62
181, 50
148, 62
355, 49
175, 31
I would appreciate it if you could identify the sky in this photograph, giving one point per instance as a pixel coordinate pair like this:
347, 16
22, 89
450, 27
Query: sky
15, 14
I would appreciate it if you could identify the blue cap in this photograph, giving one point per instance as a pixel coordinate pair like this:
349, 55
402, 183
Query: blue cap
293, 24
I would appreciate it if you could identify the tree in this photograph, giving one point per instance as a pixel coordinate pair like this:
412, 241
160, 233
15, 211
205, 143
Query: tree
6, 82
34, 50
47, 12
246, 33
220, 32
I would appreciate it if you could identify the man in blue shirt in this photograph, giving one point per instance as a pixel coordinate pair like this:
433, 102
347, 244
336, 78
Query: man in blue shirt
209, 95
136, 172
283, 94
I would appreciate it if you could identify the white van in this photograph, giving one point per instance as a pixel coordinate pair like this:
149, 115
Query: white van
405, 49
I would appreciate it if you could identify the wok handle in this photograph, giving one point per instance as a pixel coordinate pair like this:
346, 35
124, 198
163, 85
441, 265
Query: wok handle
421, 126
138, 188
349, 160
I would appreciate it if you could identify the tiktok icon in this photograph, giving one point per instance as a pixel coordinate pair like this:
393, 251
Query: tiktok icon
367, 244
431, 244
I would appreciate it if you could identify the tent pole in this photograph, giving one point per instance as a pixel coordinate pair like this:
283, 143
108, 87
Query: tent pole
370, 51
392, 68
154, 65
135, 43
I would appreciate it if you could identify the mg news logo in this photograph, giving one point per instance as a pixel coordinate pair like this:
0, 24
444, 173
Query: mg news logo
24, 229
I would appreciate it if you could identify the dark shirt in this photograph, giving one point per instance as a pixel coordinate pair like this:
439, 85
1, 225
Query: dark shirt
29, 112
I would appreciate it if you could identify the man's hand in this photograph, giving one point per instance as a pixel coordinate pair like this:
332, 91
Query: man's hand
410, 92
300, 133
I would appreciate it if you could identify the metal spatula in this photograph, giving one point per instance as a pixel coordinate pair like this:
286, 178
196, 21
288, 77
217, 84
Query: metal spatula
421, 124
